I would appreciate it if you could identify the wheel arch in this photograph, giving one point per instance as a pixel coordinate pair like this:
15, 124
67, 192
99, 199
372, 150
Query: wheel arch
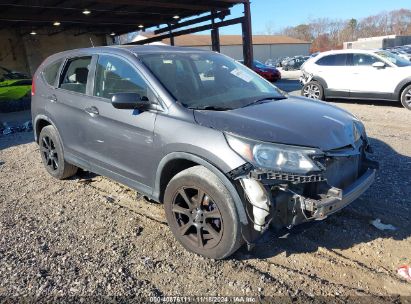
321, 81
401, 87
176, 162
40, 122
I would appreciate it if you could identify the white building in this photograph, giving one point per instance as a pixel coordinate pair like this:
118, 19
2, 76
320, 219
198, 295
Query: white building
265, 46
380, 42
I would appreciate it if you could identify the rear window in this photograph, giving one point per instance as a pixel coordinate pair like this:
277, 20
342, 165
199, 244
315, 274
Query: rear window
75, 75
51, 71
333, 60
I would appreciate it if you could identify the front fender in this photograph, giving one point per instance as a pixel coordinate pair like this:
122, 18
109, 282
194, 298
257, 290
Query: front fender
201, 161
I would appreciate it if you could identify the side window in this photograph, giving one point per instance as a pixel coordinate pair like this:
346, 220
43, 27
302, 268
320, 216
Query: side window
75, 75
50, 72
114, 75
364, 60
333, 60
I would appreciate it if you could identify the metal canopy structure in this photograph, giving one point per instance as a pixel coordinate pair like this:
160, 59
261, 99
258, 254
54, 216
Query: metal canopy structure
217, 18
116, 17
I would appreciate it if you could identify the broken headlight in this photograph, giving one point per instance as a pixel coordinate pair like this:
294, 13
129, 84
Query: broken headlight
276, 157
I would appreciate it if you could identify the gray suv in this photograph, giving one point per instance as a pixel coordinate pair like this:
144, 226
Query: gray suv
227, 152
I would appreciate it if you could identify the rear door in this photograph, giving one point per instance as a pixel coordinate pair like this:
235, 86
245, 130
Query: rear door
67, 104
332, 69
120, 141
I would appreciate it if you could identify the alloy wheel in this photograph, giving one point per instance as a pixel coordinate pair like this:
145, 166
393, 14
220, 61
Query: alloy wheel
407, 99
198, 218
49, 153
312, 91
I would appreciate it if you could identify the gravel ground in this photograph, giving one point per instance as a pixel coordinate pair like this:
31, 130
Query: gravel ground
91, 237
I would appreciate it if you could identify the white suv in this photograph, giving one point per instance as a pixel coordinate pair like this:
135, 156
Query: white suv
358, 74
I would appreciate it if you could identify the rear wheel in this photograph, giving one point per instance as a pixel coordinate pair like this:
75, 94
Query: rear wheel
201, 213
52, 154
313, 90
406, 97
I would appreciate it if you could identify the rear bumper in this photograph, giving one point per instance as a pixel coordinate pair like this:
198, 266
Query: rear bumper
339, 198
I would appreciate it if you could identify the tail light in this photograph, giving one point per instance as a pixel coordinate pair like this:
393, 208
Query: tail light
33, 88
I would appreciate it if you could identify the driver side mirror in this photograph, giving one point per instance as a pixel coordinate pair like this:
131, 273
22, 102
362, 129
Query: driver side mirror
130, 101
379, 65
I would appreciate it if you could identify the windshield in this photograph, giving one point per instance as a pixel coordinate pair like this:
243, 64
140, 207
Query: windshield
395, 59
208, 80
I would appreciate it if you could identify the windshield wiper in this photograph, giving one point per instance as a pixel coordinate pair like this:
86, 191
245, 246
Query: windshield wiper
264, 100
211, 108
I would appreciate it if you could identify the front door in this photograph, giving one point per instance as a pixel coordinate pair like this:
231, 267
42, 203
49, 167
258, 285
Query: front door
121, 141
368, 80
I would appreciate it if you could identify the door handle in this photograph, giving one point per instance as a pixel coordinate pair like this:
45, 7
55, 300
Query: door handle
92, 111
52, 98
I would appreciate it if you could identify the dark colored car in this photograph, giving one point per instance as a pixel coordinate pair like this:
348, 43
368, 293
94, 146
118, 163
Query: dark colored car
225, 151
268, 72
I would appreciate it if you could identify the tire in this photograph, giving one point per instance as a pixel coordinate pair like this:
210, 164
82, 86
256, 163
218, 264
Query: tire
211, 227
406, 97
313, 90
52, 154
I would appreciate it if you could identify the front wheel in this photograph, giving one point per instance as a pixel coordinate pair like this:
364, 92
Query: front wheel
406, 97
201, 213
313, 90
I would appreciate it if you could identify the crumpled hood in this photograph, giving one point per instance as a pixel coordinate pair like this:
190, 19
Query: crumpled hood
294, 121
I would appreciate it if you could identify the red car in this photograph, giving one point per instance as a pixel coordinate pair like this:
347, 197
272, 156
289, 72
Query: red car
268, 72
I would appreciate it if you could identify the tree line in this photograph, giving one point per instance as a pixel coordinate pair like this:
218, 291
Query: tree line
326, 34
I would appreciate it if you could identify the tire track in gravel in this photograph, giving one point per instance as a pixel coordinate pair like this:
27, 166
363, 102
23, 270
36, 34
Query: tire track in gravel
127, 202
339, 263
338, 258
312, 277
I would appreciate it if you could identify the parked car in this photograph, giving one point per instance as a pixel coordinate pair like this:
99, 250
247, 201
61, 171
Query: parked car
359, 74
294, 63
271, 62
225, 151
268, 72
401, 53
13, 85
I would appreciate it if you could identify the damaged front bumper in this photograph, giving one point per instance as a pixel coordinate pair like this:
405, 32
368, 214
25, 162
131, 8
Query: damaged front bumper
286, 200
337, 199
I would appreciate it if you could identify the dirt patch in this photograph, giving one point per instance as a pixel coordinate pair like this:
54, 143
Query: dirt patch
89, 236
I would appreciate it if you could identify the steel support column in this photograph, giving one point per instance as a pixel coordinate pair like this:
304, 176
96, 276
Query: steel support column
247, 35
171, 35
215, 35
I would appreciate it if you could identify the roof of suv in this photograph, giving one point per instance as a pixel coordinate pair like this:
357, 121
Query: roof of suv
348, 51
140, 49
143, 49
121, 49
